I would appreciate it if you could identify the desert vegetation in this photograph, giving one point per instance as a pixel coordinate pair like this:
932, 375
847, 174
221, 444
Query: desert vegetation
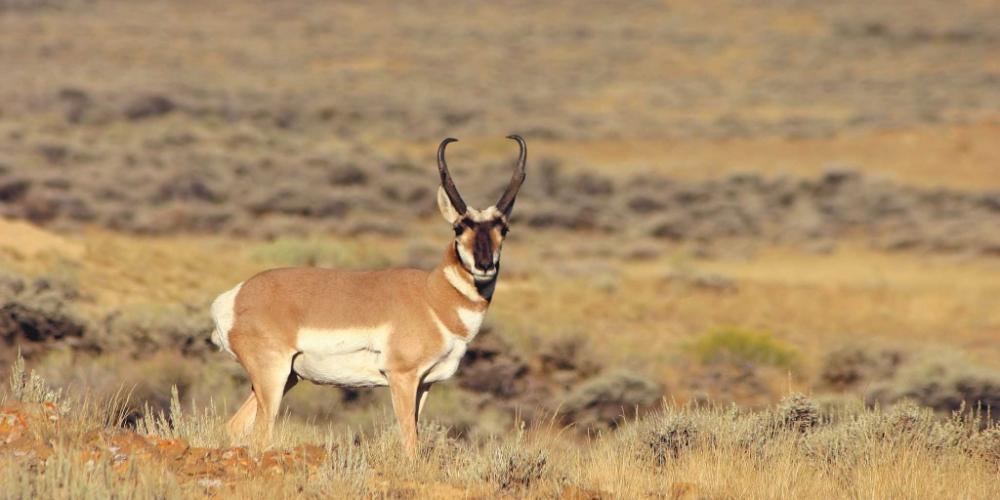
757, 254
131, 383
57, 446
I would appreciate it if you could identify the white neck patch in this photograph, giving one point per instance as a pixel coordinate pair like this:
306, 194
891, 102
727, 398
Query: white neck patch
465, 287
471, 319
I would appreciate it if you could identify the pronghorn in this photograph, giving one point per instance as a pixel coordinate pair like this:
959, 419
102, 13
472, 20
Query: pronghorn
404, 328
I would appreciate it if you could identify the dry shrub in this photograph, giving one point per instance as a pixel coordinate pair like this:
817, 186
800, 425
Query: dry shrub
798, 413
147, 380
145, 329
468, 415
762, 433
670, 433
854, 437
986, 445
568, 358
604, 400
515, 465
30, 387
35, 314
491, 366
942, 380
852, 365
451, 455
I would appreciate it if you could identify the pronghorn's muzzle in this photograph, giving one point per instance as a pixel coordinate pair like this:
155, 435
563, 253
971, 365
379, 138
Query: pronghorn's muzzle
483, 252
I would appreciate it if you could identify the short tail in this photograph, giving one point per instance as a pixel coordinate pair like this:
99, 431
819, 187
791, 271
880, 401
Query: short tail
216, 339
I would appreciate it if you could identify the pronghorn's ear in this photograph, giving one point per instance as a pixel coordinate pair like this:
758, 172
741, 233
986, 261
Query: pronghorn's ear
448, 210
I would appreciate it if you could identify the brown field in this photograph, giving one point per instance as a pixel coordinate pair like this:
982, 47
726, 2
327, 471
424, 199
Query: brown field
728, 205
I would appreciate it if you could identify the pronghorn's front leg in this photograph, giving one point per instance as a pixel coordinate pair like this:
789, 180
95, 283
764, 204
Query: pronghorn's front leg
404, 386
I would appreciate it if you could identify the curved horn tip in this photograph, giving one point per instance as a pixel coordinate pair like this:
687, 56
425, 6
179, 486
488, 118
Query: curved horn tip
516, 137
448, 140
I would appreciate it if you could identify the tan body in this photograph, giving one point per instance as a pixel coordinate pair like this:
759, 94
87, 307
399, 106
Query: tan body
404, 328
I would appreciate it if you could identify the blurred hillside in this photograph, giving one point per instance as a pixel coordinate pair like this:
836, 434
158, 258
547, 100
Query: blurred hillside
908, 90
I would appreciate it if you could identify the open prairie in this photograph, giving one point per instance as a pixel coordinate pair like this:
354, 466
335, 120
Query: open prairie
757, 254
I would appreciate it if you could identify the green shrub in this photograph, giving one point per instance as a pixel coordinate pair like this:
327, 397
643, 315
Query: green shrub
729, 344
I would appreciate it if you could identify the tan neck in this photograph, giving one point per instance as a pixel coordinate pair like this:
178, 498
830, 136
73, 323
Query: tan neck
450, 284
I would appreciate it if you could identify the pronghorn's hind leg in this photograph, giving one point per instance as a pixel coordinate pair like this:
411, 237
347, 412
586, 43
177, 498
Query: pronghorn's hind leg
422, 392
242, 421
270, 371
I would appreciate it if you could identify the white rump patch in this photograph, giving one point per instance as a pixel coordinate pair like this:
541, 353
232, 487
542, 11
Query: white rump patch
352, 357
224, 316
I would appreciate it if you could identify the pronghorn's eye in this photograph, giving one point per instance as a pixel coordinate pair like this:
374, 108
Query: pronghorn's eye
503, 230
459, 229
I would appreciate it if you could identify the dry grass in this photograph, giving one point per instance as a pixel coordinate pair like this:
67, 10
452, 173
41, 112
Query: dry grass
683, 452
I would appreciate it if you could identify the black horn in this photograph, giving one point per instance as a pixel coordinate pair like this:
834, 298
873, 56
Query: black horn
507, 200
446, 182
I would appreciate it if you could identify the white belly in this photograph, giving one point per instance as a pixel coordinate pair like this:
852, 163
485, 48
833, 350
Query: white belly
347, 357
357, 369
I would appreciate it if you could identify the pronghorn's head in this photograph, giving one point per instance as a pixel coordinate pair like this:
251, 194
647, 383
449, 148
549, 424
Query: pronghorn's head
479, 234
